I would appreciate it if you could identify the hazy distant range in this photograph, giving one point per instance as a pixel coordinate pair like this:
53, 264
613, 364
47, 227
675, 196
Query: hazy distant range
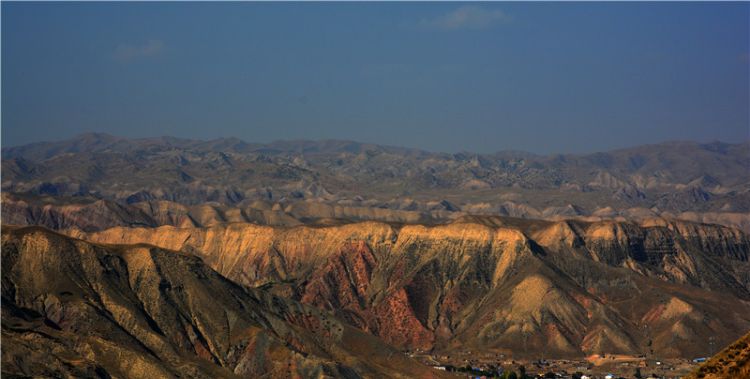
292, 182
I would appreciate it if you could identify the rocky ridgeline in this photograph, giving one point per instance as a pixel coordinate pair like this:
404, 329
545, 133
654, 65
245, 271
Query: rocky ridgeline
91, 214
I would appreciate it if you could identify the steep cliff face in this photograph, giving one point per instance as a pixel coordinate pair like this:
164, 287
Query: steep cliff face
561, 288
72, 308
707, 256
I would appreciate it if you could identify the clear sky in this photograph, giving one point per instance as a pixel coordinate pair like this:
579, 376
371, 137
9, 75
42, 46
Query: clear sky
541, 77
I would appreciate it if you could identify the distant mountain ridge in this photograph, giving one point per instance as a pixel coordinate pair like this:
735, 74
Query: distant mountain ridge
700, 182
93, 141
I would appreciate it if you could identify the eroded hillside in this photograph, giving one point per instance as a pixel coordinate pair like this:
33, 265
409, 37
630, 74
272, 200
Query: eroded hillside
494, 283
72, 308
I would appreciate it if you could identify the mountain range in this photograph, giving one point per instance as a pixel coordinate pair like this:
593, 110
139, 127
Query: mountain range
153, 257
309, 180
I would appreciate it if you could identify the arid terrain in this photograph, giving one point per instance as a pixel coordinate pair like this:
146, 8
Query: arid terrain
732, 362
152, 257
72, 308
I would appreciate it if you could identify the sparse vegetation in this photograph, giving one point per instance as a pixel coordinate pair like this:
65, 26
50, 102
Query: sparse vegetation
732, 362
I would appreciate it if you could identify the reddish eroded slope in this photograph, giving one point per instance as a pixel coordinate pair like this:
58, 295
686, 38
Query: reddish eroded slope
343, 285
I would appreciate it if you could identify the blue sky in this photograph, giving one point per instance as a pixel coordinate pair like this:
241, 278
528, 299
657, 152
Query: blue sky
541, 77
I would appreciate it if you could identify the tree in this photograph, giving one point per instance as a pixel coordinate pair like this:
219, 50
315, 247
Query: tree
522, 371
638, 374
512, 375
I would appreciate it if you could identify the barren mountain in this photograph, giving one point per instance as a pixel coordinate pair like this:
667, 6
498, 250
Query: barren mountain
634, 251
502, 284
75, 309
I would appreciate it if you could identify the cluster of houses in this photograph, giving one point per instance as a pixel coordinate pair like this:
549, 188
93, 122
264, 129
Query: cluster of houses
552, 369
472, 375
